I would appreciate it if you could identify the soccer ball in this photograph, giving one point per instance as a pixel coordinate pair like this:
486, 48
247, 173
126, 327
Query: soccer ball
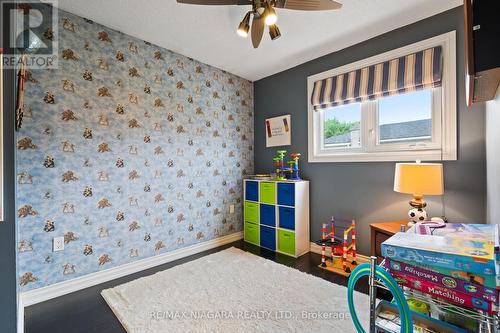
417, 215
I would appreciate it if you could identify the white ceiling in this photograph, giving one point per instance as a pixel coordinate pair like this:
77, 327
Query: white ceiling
208, 33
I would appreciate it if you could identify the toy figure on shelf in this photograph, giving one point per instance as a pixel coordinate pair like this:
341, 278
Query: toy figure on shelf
294, 165
278, 168
344, 257
289, 170
280, 165
290, 173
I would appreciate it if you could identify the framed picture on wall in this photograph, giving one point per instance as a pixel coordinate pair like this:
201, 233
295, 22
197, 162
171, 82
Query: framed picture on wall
279, 131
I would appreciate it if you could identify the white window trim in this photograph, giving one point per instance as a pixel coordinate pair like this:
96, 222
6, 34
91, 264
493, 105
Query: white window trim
446, 151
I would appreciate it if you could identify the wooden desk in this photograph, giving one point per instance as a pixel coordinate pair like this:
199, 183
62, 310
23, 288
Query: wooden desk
381, 232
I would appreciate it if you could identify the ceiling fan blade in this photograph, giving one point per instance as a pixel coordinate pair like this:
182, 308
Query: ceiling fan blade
214, 2
258, 25
308, 4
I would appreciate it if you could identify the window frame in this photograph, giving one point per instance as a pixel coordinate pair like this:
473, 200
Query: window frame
436, 117
444, 130
321, 137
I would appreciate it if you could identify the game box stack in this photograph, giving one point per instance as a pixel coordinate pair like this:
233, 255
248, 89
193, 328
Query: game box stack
457, 263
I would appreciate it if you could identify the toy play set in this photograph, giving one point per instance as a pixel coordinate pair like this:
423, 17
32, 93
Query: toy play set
290, 173
343, 254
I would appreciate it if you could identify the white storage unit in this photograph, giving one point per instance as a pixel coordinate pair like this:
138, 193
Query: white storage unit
276, 215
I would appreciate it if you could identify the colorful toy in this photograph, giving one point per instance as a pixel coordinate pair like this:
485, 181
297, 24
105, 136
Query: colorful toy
289, 172
339, 246
292, 172
277, 167
294, 165
280, 165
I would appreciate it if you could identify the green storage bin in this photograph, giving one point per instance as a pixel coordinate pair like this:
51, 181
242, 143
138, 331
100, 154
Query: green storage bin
252, 233
286, 242
268, 192
251, 212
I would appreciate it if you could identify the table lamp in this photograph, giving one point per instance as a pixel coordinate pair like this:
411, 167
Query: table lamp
418, 179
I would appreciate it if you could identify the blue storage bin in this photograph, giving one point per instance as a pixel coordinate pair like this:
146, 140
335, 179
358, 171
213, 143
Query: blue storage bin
287, 218
286, 194
251, 190
268, 215
268, 237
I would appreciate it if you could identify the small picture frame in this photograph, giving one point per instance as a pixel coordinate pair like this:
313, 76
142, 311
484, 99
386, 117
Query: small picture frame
278, 131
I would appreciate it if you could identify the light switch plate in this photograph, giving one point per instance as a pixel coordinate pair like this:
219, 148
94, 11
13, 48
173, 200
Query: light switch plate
231, 209
58, 244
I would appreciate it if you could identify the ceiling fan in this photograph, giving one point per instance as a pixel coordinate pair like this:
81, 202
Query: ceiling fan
264, 14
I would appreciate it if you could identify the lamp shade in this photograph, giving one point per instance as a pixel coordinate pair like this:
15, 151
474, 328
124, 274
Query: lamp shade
419, 178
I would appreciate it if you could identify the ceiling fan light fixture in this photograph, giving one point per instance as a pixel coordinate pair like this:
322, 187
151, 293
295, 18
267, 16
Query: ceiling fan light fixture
270, 16
244, 26
274, 32
263, 13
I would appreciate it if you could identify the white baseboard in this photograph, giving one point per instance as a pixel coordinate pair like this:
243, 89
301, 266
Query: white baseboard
20, 316
62, 288
315, 248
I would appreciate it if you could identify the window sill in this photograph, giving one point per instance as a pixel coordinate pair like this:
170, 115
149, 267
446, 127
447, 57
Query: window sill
392, 156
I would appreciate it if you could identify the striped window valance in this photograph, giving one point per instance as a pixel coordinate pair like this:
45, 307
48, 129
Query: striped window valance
416, 71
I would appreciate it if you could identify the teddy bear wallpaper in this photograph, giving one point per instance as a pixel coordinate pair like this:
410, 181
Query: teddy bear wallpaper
127, 150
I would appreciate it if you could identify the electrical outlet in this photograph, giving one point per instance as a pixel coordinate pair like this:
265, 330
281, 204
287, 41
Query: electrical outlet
58, 244
231, 209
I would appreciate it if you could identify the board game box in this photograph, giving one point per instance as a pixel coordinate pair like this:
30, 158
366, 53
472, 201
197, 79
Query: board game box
488, 281
449, 282
457, 247
487, 232
449, 295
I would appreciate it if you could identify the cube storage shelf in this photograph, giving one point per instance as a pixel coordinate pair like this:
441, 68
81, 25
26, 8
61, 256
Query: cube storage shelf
276, 215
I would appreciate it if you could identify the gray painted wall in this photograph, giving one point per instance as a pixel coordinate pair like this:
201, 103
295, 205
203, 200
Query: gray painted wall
493, 159
8, 285
364, 190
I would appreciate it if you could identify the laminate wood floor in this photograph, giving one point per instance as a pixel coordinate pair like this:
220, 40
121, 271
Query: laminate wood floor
86, 311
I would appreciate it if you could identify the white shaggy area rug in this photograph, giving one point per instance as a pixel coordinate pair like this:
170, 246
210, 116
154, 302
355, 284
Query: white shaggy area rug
233, 291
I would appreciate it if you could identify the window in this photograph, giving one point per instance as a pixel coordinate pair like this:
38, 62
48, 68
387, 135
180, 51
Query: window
396, 126
405, 118
341, 126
